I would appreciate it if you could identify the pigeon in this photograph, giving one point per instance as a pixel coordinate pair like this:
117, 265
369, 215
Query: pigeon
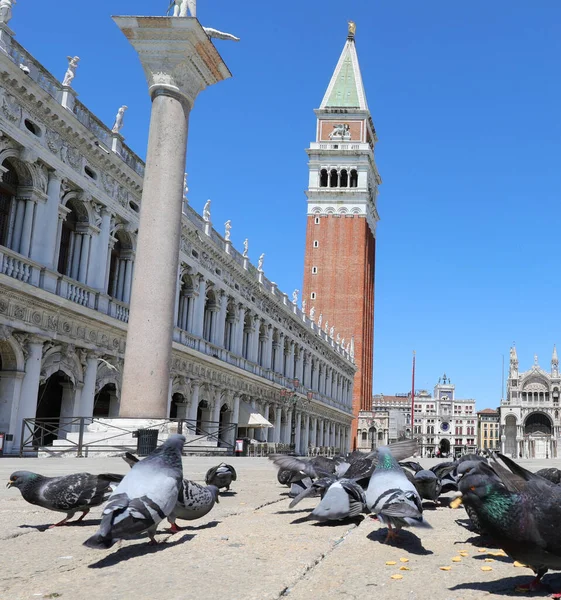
343, 499
147, 494
24, 68
433, 482
68, 494
520, 510
221, 476
194, 500
392, 497
551, 474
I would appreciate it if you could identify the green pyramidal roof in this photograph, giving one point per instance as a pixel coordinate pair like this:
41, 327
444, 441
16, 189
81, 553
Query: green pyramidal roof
345, 89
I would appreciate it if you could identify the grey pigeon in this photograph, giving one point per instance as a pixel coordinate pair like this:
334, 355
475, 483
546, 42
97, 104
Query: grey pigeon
551, 474
520, 510
392, 497
147, 494
221, 476
194, 500
427, 483
343, 499
68, 494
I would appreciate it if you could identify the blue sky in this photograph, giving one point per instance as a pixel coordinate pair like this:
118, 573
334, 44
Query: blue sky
465, 97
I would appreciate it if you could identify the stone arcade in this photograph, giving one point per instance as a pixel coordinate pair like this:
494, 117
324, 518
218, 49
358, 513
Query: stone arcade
70, 195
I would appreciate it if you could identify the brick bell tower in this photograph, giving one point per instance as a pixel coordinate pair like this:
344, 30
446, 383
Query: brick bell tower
341, 229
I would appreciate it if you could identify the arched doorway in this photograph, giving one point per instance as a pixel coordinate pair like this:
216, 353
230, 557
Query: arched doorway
8, 188
176, 399
225, 417
105, 402
510, 435
55, 397
538, 430
121, 267
372, 437
444, 447
203, 416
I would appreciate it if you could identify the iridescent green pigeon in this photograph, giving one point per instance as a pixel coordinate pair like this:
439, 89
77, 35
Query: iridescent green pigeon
520, 510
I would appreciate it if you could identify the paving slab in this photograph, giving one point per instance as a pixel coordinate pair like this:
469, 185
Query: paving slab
249, 547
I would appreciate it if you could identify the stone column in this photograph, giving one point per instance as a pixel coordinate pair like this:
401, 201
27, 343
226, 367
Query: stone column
18, 224
306, 441
278, 425
314, 431
268, 351
27, 407
288, 432
297, 431
199, 316
86, 405
44, 237
193, 404
216, 411
97, 275
240, 324
179, 61
128, 280
220, 323
84, 256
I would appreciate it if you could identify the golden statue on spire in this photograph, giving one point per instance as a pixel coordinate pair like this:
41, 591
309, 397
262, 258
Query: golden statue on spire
352, 29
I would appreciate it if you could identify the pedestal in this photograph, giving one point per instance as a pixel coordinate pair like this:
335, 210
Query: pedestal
68, 97
179, 61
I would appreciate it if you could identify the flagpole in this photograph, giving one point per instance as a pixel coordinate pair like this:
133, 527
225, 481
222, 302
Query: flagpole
413, 396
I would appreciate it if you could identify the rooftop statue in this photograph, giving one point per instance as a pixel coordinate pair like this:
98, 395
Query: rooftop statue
181, 8
206, 211
227, 227
118, 125
71, 71
245, 247
6, 10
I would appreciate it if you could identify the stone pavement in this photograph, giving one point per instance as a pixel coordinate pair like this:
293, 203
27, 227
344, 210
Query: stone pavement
249, 547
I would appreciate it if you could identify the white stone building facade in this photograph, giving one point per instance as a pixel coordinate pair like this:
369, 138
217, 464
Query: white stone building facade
70, 193
443, 423
530, 421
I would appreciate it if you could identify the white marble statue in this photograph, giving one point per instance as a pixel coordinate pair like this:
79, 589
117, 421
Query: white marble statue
118, 125
338, 340
295, 296
304, 306
227, 227
220, 35
320, 319
6, 10
326, 329
332, 332
245, 247
206, 212
180, 8
260, 262
343, 343
312, 312
71, 71
185, 187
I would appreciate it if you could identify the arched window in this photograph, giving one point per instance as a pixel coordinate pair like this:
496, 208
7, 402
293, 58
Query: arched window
333, 178
8, 187
211, 308
344, 178
120, 268
354, 178
230, 328
262, 344
186, 303
247, 331
323, 178
75, 241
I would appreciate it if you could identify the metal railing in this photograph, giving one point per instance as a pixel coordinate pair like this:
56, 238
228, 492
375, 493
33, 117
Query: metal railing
113, 434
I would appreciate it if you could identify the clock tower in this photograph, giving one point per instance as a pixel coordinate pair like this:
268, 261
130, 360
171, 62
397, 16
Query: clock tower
340, 252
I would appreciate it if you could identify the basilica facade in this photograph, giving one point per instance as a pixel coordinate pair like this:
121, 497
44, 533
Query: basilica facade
529, 415
70, 196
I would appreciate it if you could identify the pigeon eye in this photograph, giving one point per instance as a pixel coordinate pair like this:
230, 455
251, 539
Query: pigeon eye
472, 488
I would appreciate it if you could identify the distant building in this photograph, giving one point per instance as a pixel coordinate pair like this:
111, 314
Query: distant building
398, 409
529, 415
373, 429
443, 422
488, 429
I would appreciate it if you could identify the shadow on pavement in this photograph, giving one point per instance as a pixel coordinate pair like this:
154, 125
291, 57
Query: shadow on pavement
406, 541
136, 551
85, 523
208, 525
507, 586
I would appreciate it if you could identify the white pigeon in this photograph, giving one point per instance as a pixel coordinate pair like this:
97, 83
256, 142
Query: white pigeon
147, 494
24, 68
392, 497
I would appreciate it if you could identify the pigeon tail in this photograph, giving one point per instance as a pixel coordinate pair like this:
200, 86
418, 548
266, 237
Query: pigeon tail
99, 542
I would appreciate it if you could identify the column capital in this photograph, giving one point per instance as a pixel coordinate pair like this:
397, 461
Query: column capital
177, 55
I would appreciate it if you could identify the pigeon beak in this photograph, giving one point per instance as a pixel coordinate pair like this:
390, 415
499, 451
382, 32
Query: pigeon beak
456, 503
10, 484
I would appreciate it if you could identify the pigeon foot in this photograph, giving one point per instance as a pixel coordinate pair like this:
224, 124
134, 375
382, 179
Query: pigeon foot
60, 523
174, 528
392, 535
83, 515
534, 586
